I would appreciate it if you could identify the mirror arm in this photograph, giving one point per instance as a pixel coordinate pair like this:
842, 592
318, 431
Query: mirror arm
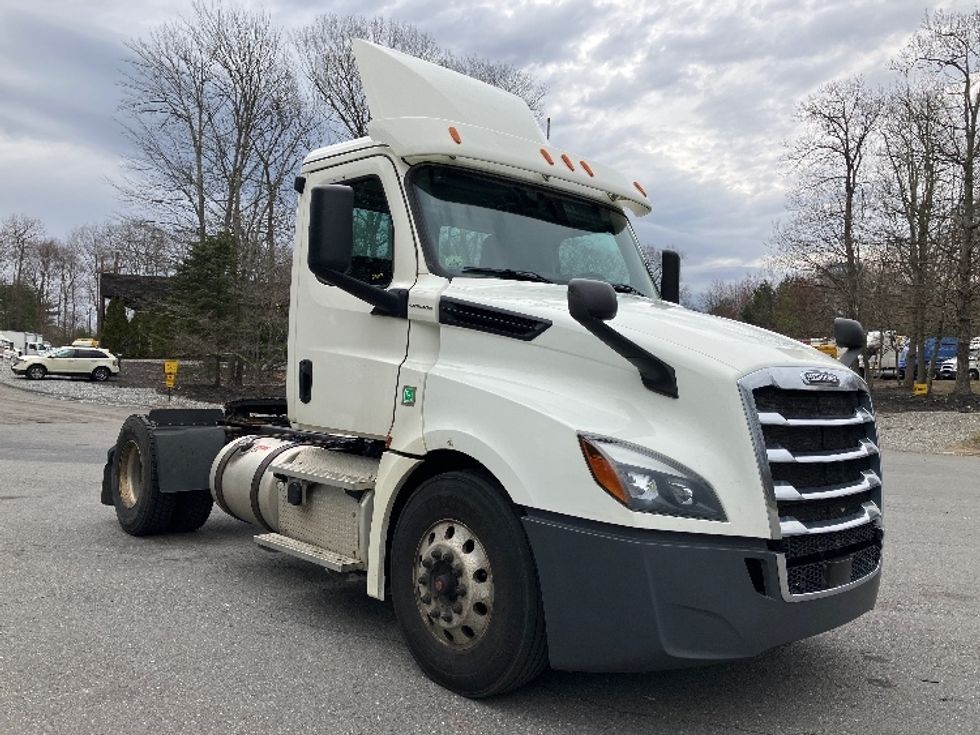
393, 302
657, 375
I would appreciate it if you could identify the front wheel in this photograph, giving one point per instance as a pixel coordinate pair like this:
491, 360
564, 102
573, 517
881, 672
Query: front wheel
465, 589
36, 372
974, 375
100, 374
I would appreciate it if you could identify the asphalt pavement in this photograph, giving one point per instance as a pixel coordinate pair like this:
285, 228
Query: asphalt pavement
206, 633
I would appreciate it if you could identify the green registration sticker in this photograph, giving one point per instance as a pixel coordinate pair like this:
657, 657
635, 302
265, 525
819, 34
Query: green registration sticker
408, 395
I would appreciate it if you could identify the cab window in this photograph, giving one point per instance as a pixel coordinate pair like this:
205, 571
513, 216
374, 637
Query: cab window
372, 260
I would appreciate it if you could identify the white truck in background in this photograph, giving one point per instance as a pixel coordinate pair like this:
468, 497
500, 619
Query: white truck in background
20, 344
495, 417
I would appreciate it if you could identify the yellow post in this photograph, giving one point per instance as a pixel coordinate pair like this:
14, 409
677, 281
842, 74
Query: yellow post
920, 389
170, 374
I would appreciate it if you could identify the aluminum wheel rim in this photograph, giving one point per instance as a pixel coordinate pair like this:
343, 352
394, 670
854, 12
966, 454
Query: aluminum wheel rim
453, 584
130, 474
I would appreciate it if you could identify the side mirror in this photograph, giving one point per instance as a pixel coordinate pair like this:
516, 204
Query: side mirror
850, 335
590, 300
670, 276
331, 233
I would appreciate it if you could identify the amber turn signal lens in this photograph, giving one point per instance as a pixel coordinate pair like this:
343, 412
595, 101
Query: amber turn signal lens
587, 168
454, 134
639, 188
547, 157
603, 472
568, 161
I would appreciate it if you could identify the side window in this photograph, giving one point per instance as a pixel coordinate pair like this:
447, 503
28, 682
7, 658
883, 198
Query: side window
91, 354
374, 233
597, 254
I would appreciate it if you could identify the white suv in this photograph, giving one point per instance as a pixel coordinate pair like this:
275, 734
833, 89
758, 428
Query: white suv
95, 363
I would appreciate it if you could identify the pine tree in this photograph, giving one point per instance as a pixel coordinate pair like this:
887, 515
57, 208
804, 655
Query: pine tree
115, 328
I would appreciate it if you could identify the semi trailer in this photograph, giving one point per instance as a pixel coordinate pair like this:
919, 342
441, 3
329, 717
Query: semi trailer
496, 419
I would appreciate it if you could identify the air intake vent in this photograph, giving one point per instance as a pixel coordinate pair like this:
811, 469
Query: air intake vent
454, 313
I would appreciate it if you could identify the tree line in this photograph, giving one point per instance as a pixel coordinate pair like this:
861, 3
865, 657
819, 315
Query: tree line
882, 215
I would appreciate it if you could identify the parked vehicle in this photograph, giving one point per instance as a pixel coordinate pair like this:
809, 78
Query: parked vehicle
947, 370
25, 343
947, 349
97, 364
495, 417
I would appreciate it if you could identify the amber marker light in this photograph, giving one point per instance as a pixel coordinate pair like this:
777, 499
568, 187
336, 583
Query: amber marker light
586, 167
454, 134
568, 161
603, 471
639, 188
547, 157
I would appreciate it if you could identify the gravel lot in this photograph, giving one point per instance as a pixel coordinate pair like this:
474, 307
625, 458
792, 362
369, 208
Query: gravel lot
110, 393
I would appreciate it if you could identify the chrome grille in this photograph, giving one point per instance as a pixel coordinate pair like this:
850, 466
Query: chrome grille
818, 457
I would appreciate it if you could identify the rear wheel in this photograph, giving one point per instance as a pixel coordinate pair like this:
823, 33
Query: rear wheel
465, 589
191, 510
100, 374
141, 508
974, 375
36, 372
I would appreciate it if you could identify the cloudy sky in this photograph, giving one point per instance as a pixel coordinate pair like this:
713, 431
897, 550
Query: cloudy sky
692, 98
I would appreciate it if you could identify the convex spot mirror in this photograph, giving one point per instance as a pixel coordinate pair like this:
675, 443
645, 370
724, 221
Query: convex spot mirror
331, 233
588, 300
670, 276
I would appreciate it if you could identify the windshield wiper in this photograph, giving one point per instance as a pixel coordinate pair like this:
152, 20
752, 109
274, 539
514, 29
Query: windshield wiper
626, 288
516, 275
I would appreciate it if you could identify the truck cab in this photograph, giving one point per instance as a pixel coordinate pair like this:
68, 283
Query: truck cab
498, 417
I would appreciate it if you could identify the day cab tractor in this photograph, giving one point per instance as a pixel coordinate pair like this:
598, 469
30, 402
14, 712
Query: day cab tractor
498, 419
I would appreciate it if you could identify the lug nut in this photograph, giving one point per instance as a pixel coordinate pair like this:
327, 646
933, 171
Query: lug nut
458, 609
436, 554
423, 580
426, 599
447, 617
427, 563
448, 556
434, 614
458, 569
461, 590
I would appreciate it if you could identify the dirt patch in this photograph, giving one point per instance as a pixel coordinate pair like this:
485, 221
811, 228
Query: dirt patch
195, 380
892, 397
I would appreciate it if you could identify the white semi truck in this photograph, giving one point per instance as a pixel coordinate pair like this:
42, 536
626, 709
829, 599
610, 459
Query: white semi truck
497, 419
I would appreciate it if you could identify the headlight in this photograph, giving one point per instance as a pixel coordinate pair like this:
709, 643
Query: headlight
648, 482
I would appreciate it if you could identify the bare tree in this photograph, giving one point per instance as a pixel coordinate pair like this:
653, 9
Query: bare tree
914, 191
947, 45
20, 236
827, 203
331, 70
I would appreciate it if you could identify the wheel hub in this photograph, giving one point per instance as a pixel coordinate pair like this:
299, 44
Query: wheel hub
454, 584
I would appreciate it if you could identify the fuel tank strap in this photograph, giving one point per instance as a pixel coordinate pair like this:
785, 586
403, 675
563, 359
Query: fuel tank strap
219, 473
257, 481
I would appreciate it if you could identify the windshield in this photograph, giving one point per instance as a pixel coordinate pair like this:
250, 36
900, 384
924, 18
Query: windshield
482, 226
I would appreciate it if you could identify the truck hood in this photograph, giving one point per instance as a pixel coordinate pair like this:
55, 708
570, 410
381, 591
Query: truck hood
663, 328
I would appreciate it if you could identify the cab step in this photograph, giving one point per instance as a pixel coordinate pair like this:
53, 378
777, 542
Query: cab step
325, 467
309, 552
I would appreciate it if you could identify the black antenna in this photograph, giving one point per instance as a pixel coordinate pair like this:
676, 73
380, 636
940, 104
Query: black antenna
547, 133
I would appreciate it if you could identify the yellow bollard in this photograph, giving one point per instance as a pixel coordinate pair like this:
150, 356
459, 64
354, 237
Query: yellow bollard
920, 389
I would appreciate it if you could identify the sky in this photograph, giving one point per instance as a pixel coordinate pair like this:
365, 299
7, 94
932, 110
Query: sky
693, 99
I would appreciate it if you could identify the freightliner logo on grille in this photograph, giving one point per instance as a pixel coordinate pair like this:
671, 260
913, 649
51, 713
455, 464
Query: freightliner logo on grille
820, 377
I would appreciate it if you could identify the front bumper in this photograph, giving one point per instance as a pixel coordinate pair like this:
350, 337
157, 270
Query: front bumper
620, 599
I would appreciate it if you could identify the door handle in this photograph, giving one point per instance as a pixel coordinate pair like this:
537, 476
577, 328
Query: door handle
305, 380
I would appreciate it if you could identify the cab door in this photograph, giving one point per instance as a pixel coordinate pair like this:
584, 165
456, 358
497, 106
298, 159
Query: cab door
343, 359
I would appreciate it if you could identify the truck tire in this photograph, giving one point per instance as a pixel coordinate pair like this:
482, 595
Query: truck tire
191, 510
141, 508
465, 588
